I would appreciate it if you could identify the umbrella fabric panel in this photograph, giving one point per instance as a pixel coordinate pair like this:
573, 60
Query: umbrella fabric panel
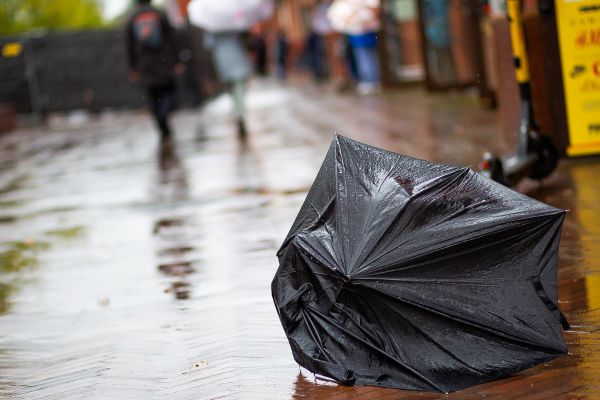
374, 189
487, 286
440, 277
367, 338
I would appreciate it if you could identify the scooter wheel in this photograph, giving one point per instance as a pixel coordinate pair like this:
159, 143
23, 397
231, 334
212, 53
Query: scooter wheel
547, 157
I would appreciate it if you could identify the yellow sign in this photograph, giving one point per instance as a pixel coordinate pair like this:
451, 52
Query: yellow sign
579, 38
12, 49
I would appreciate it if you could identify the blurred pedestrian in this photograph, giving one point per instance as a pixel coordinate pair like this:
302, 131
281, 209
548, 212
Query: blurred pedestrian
258, 46
436, 22
360, 21
293, 23
282, 51
233, 68
224, 22
364, 49
315, 42
334, 46
152, 56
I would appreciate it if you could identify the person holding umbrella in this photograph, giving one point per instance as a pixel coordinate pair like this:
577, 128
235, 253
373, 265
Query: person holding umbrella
233, 68
153, 60
224, 22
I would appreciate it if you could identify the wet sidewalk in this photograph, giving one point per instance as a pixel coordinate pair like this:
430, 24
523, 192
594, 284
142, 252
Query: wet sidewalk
134, 273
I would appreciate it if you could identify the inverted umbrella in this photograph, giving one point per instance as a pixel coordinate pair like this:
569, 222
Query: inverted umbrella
229, 15
403, 273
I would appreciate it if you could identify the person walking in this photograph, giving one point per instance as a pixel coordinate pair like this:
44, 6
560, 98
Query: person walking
153, 62
360, 21
281, 51
233, 68
364, 49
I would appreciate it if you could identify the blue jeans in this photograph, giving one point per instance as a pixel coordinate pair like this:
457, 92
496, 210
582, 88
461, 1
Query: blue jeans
367, 64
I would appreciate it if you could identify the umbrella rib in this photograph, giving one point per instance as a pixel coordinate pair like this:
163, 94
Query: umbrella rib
473, 282
402, 364
442, 348
528, 220
312, 330
340, 160
342, 310
548, 254
300, 245
458, 319
320, 213
367, 304
523, 282
417, 234
370, 210
312, 225
437, 181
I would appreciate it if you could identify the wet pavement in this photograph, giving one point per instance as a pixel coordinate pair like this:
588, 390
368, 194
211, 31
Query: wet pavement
129, 271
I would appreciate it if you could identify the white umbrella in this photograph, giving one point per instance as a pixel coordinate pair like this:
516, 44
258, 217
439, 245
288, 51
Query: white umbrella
229, 15
354, 16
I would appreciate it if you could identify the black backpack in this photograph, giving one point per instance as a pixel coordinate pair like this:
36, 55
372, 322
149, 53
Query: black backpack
147, 29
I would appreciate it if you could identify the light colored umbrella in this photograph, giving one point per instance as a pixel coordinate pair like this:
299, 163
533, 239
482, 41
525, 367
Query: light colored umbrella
320, 22
355, 16
229, 15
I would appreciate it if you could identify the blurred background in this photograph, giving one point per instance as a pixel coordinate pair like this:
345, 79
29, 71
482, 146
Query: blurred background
70, 55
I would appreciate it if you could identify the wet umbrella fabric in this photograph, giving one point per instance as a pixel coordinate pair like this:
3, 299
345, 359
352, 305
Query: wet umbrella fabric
404, 273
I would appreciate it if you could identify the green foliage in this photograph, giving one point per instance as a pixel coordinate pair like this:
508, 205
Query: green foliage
18, 16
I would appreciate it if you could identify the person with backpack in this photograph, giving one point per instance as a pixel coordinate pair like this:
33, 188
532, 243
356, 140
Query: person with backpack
153, 61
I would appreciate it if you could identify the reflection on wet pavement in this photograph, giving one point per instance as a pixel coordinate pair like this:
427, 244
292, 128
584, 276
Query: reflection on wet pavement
173, 247
133, 270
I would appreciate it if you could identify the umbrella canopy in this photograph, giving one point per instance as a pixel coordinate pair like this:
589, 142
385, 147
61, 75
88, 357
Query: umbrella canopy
403, 273
229, 15
354, 17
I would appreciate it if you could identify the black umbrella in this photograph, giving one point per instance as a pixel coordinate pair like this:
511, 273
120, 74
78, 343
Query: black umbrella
403, 273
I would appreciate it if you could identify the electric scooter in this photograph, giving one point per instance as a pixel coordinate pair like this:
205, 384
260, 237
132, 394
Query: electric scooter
536, 156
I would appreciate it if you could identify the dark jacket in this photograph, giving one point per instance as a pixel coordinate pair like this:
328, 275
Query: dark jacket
151, 52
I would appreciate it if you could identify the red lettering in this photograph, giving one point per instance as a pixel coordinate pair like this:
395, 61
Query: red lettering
587, 38
580, 39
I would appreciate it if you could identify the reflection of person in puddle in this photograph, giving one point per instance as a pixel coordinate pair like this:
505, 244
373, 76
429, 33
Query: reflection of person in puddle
173, 183
174, 247
249, 175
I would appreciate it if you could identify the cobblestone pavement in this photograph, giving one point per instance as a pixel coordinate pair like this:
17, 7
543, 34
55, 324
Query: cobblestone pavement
131, 273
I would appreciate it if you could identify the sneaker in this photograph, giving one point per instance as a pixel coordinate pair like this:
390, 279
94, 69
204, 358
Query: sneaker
367, 88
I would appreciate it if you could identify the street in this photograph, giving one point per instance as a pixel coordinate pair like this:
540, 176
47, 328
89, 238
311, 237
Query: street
131, 272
